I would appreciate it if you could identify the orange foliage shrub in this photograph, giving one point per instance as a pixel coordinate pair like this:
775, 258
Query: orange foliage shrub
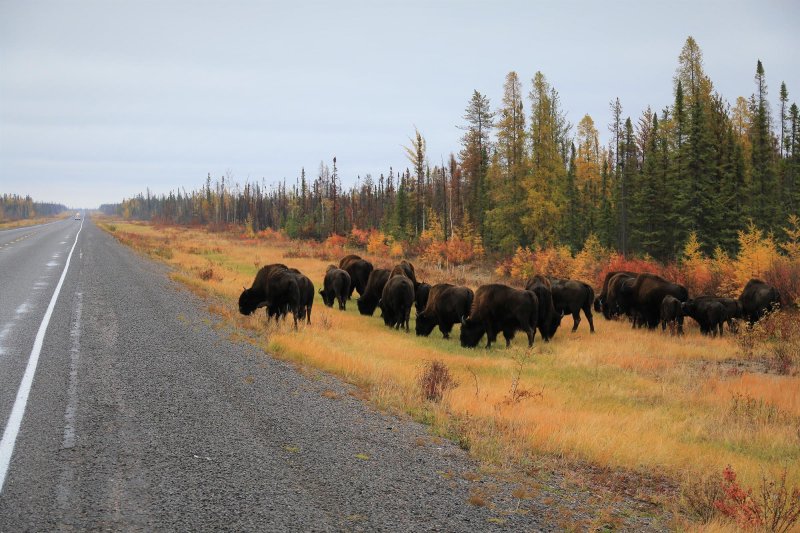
525, 263
270, 234
358, 237
590, 261
378, 243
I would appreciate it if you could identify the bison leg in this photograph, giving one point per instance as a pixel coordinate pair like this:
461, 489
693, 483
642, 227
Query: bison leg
531, 335
587, 310
576, 319
491, 335
446, 328
509, 335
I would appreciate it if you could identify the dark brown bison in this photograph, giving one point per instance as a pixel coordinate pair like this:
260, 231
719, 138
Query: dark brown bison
407, 269
499, 308
447, 305
306, 287
396, 302
602, 298
256, 296
757, 299
709, 313
733, 310
572, 297
335, 286
372, 293
616, 302
547, 322
645, 296
671, 315
359, 270
421, 295
274, 288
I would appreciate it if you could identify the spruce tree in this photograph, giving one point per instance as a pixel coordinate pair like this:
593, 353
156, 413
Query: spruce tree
764, 192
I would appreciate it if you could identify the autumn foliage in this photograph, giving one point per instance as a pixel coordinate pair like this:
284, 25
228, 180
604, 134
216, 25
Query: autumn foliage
759, 257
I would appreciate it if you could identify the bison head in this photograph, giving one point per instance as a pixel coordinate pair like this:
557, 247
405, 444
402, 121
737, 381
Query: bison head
425, 325
471, 332
366, 306
250, 300
327, 297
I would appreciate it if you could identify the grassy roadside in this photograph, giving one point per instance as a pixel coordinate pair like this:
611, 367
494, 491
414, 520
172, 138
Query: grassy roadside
620, 399
23, 223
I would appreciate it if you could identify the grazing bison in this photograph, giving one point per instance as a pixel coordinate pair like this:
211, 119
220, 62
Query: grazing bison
547, 322
616, 301
256, 296
733, 309
372, 293
359, 270
757, 299
602, 298
306, 287
709, 313
396, 301
274, 288
671, 315
645, 296
421, 295
335, 286
447, 305
570, 296
499, 308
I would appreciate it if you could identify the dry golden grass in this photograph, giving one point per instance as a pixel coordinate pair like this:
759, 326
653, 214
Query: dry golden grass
621, 398
11, 224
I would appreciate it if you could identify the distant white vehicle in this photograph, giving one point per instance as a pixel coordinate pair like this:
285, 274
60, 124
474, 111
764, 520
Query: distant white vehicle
77, 216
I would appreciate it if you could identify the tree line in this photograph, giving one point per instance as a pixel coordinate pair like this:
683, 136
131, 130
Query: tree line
528, 178
16, 207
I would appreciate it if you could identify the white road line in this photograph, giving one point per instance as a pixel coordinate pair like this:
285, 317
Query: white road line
72, 388
18, 410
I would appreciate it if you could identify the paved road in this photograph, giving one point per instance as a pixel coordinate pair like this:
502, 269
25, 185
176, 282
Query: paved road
142, 416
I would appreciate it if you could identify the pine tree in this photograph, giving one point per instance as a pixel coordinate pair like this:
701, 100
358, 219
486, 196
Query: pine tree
475, 149
628, 177
648, 209
764, 191
505, 183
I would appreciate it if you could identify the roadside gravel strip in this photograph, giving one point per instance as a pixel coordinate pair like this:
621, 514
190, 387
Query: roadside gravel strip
144, 416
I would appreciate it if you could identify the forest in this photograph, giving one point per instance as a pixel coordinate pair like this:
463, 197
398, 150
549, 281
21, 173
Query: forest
699, 171
15, 207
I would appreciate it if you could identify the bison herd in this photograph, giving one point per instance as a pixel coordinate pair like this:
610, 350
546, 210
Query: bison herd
647, 300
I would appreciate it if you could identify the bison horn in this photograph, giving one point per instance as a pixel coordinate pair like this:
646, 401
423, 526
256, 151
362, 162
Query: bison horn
463, 320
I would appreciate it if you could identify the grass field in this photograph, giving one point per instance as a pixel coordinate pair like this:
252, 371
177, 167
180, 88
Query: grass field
678, 408
25, 222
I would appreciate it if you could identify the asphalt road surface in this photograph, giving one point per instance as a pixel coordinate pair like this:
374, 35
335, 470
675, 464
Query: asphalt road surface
141, 416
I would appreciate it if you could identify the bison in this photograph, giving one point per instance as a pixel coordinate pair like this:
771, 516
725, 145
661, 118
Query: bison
671, 315
570, 296
276, 289
758, 298
547, 322
499, 308
602, 298
335, 286
359, 271
709, 313
616, 301
447, 305
733, 309
396, 301
256, 296
421, 294
372, 293
645, 296
306, 287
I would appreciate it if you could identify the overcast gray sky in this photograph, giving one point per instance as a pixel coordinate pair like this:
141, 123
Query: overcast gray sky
99, 100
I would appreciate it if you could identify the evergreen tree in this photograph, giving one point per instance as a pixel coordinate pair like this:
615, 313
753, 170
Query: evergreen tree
648, 210
504, 219
475, 149
764, 190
